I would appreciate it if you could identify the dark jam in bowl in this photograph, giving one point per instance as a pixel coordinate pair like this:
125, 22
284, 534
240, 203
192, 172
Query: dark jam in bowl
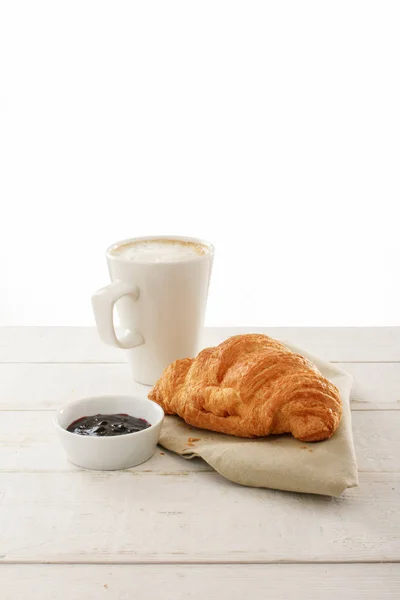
108, 425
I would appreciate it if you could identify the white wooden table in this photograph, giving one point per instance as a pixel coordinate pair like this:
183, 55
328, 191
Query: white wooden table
173, 529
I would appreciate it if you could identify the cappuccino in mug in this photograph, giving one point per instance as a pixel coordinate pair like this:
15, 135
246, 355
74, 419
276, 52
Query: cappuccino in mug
159, 285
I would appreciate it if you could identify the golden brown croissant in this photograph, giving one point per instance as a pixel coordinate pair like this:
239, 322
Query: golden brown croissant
251, 385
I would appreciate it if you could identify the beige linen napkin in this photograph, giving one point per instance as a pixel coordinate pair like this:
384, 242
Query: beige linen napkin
278, 461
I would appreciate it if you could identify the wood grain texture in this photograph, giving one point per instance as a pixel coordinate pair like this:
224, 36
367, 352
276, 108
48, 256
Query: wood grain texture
211, 582
133, 517
81, 344
175, 511
28, 443
49, 386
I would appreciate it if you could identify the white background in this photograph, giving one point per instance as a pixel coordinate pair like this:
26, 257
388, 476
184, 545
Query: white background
269, 128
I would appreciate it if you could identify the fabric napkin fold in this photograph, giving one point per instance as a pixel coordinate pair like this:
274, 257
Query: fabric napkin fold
278, 461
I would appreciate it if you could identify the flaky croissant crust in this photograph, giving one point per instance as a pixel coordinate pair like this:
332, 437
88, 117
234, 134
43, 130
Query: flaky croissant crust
249, 386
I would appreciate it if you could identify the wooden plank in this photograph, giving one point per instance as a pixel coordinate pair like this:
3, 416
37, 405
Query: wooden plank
336, 344
133, 517
375, 385
212, 582
48, 386
55, 344
81, 344
28, 444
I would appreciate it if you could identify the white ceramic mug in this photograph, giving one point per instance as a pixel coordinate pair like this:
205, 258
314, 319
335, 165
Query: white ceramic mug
161, 305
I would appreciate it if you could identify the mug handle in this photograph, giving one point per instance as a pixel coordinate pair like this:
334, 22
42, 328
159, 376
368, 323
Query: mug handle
103, 307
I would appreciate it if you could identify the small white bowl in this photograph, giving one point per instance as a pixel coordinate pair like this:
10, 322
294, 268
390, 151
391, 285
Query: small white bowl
113, 452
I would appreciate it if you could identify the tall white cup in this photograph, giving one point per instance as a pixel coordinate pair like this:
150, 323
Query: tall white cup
161, 305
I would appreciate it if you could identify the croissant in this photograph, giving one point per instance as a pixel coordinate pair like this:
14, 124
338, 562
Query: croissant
249, 386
